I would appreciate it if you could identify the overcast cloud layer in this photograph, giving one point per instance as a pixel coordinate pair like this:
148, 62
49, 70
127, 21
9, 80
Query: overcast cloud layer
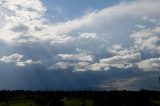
114, 47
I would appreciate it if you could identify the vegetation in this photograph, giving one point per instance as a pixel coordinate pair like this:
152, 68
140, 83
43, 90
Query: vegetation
80, 98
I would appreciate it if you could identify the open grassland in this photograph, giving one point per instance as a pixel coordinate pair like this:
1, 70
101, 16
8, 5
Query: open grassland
79, 98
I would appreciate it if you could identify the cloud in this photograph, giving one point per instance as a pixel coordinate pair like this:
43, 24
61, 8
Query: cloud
20, 17
11, 58
84, 64
150, 64
147, 39
60, 65
140, 26
77, 62
17, 59
25, 17
98, 42
120, 61
81, 67
84, 57
25, 40
117, 49
66, 39
98, 19
119, 84
96, 26
61, 39
76, 66
19, 28
88, 36
28, 62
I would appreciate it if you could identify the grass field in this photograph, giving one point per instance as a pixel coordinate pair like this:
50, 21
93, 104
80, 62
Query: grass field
77, 102
18, 103
156, 102
113, 98
67, 102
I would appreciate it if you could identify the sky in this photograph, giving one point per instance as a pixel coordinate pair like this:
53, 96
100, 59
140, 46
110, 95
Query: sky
79, 44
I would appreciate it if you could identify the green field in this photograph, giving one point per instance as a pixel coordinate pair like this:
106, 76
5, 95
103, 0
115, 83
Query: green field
80, 98
18, 103
77, 102
67, 102
156, 102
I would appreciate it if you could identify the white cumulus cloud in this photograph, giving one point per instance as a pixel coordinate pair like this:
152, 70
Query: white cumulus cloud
147, 39
150, 64
18, 60
77, 57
